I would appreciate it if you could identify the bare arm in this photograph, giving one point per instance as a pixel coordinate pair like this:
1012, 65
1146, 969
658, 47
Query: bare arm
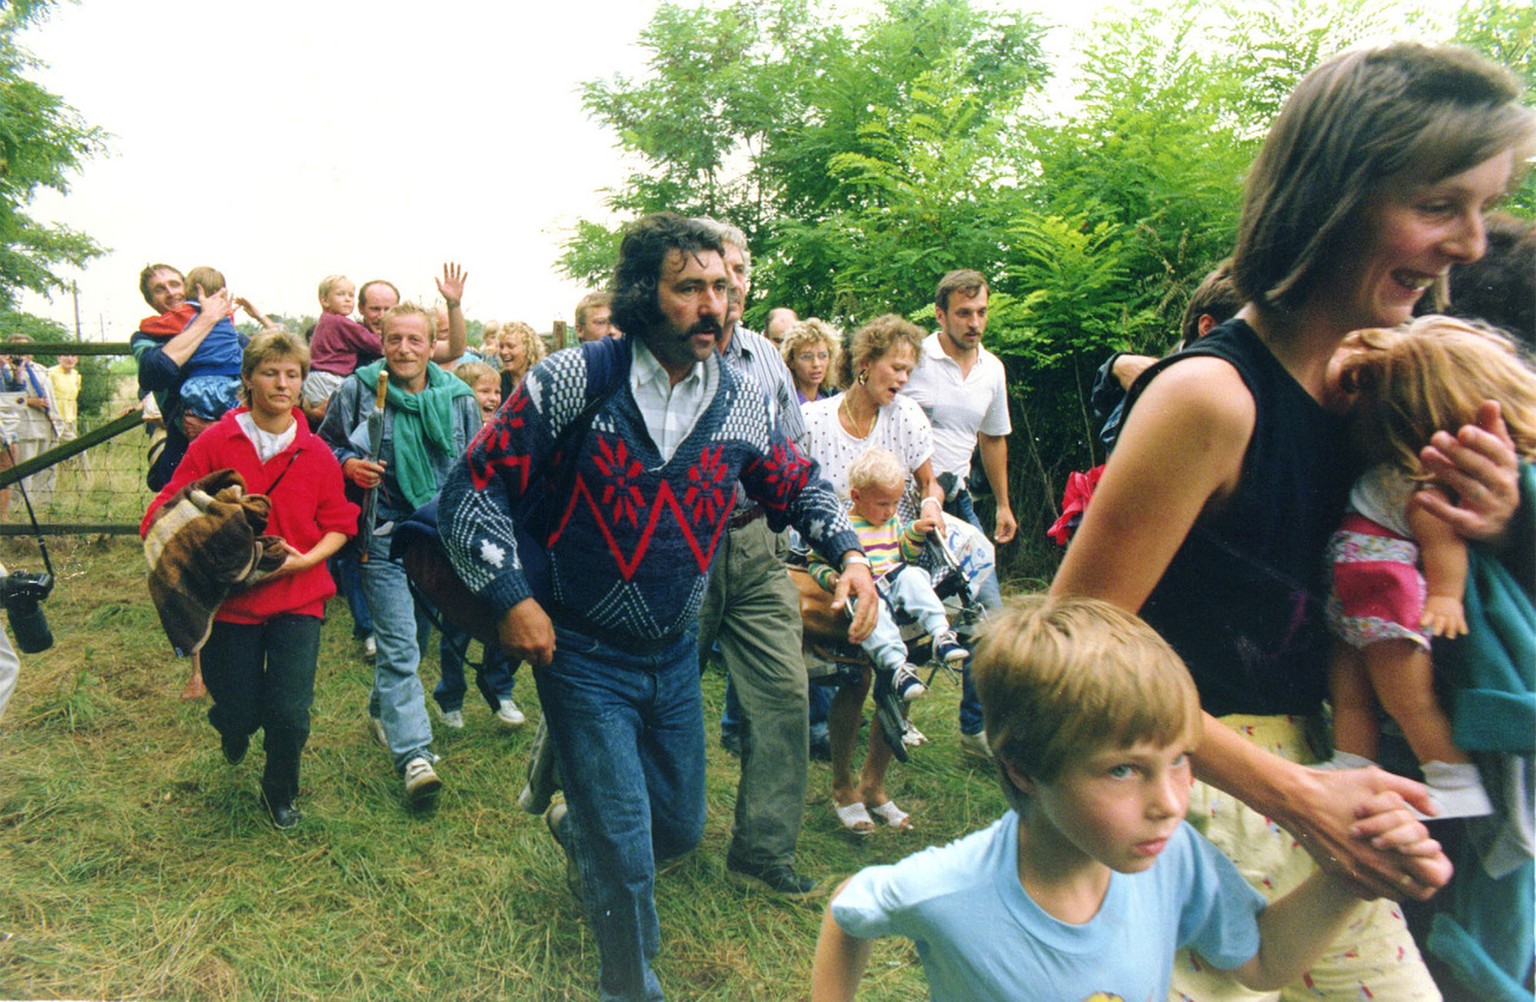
994, 459
298, 561
1128, 368
1444, 554
1181, 449
840, 960
1182, 446
1295, 929
928, 490
451, 285
1323, 810
251, 311
215, 305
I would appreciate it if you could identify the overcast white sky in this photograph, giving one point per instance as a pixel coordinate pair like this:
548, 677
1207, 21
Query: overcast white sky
286, 140
290, 139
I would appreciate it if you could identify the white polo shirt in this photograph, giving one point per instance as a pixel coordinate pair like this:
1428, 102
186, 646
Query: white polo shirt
959, 407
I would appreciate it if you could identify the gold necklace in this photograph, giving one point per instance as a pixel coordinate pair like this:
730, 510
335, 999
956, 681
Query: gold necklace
852, 421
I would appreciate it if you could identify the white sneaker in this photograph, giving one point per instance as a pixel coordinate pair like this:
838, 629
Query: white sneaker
912, 737
976, 745
452, 718
421, 780
370, 646
509, 716
377, 726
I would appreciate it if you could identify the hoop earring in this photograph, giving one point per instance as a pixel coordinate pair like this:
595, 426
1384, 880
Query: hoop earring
863, 377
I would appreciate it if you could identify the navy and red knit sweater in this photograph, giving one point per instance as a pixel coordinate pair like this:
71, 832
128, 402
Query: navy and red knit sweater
631, 544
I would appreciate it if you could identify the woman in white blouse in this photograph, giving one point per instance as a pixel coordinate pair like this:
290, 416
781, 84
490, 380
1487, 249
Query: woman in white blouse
871, 412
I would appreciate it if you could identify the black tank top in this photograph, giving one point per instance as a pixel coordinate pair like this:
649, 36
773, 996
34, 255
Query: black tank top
1242, 602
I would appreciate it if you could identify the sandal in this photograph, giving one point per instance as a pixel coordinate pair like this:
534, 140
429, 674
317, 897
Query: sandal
892, 815
854, 818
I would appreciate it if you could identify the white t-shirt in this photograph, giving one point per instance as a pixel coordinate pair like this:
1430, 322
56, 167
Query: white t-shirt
899, 427
981, 937
959, 407
266, 443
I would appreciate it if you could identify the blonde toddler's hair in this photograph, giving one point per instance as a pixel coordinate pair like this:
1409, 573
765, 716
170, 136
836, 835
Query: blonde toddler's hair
1432, 374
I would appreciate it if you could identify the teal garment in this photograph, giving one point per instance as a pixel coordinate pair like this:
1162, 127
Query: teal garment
1485, 933
422, 421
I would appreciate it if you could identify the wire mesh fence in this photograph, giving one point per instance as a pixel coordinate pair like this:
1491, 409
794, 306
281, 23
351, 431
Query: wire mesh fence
98, 490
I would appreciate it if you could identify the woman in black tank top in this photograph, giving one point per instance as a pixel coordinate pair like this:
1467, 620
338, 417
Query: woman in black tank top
1230, 471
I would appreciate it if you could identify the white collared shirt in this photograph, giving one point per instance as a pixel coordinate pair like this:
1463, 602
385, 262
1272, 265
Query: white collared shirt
670, 411
959, 406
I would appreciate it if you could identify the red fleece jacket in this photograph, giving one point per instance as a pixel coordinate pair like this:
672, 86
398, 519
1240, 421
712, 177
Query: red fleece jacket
307, 502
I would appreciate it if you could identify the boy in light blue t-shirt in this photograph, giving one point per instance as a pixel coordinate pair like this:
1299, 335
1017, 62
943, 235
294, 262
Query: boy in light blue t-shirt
1092, 718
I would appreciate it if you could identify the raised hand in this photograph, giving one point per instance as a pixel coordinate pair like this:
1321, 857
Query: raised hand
451, 285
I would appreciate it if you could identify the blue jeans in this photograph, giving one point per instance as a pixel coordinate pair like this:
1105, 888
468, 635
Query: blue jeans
907, 590
493, 678
398, 699
990, 595
345, 569
628, 730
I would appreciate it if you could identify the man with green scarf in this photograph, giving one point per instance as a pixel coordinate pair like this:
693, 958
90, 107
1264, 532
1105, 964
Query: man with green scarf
429, 419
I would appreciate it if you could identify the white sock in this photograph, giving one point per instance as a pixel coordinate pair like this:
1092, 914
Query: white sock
1457, 788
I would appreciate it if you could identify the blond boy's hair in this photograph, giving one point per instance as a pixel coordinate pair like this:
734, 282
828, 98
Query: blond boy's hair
271, 344
328, 284
1063, 678
1432, 374
211, 280
877, 468
473, 372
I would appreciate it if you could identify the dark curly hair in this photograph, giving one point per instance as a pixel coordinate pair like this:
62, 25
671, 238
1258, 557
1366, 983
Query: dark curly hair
636, 277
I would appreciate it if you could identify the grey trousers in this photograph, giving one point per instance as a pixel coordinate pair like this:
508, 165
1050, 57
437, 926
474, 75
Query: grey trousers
754, 610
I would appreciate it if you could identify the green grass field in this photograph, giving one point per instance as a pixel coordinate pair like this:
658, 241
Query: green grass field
136, 863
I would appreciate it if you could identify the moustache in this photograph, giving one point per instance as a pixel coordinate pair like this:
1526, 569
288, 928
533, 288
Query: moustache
705, 327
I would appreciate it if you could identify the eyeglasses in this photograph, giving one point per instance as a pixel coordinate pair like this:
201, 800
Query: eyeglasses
812, 356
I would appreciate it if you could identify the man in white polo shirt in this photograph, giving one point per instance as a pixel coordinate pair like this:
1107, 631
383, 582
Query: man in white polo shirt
962, 388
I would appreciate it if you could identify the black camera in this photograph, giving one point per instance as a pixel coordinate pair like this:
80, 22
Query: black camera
23, 595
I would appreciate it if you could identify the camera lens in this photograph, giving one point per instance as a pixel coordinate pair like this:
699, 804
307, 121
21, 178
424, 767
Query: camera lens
28, 624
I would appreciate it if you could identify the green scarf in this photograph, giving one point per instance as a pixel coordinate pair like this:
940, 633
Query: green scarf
423, 423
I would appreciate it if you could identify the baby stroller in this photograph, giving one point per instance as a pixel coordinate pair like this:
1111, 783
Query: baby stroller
831, 660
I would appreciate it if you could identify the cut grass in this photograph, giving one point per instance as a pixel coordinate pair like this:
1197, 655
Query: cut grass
135, 863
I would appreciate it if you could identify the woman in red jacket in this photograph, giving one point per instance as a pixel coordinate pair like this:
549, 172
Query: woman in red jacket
259, 661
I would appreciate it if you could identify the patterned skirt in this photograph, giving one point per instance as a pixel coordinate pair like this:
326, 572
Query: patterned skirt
1378, 590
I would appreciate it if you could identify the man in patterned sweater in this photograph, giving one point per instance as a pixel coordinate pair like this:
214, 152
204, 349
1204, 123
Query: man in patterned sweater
616, 463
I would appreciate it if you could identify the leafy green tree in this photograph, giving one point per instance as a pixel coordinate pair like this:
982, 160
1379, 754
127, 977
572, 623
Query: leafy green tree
42, 141
1506, 33
777, 116
866, 158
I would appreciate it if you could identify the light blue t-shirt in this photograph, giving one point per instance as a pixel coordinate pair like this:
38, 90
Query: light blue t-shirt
980, 936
